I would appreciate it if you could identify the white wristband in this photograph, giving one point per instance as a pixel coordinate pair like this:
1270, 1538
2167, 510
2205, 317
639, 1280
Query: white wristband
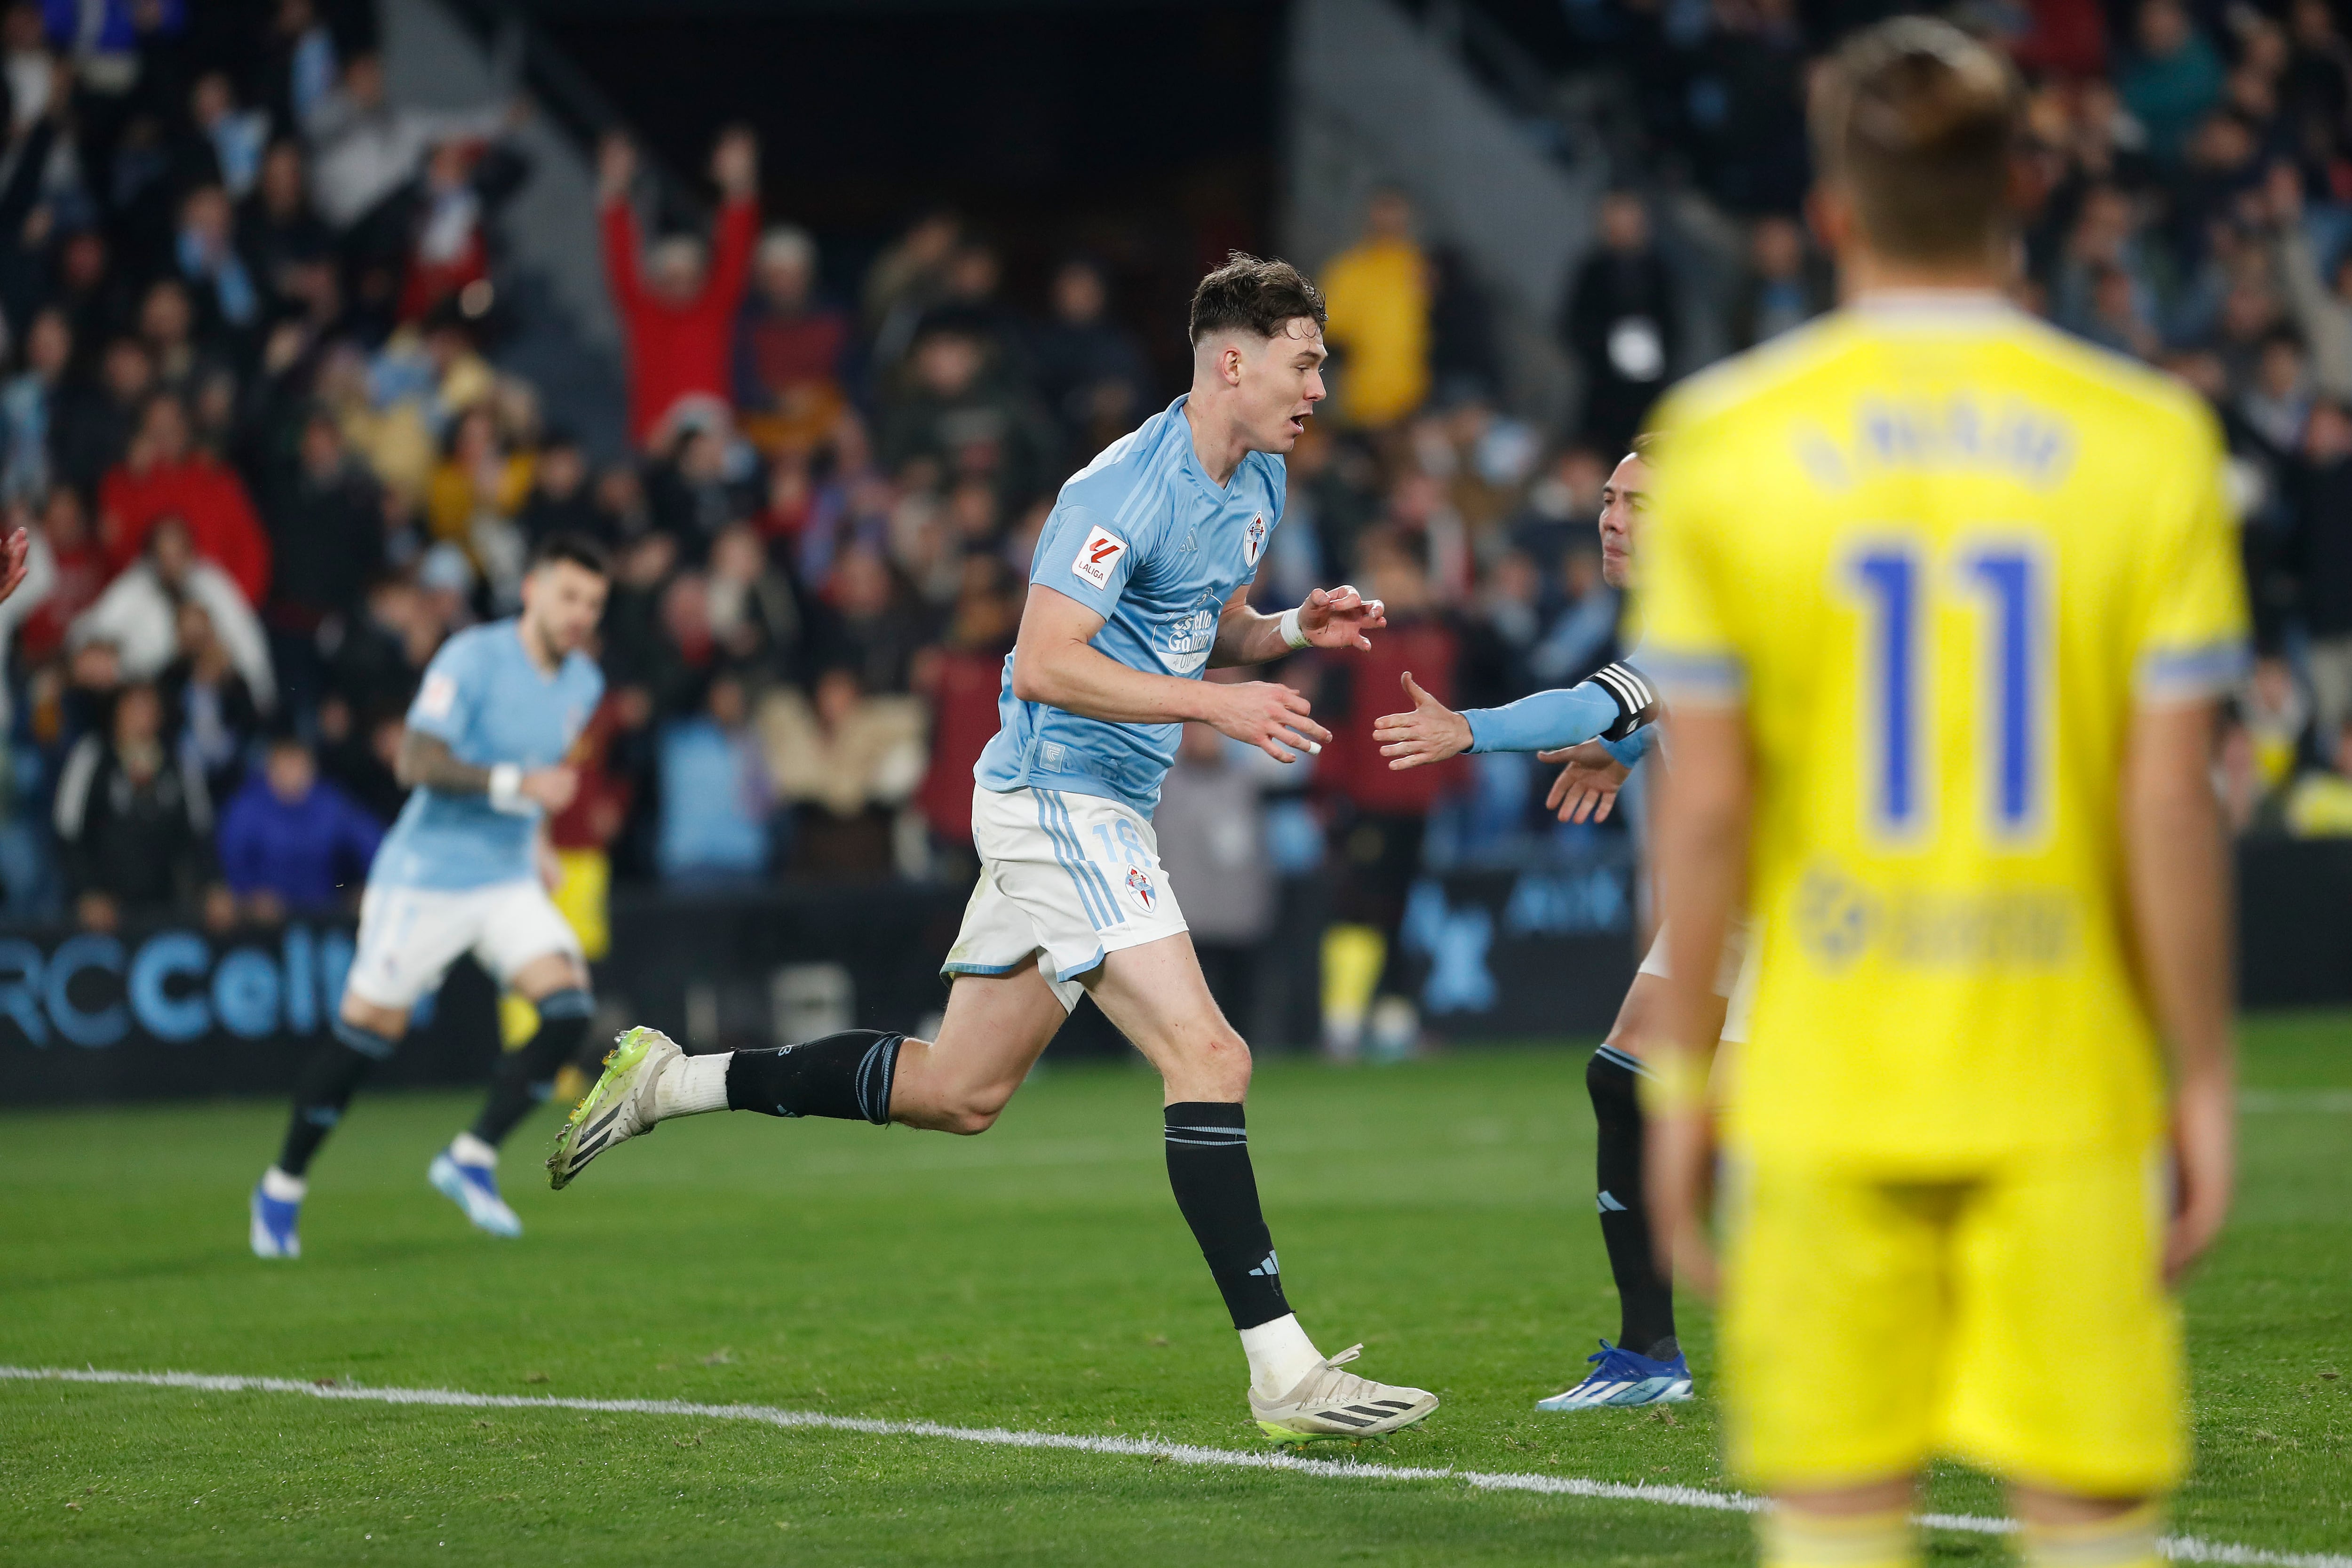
506, 790
1291, 635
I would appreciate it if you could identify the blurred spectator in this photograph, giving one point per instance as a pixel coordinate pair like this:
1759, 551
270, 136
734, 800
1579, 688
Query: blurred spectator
462, 186
1210, 825
285, 242
365, 148
960, 414
325, 514
138, 615
291, 842
476, 494
235, 137
1377, 293
165, 476
211, 264
845, 762
1090, 370
1785, 284
208, 705
791, 347
961, 683
1620, 324
716, 791
2321, 553
560, 501
358, 753
90, 433
2172, 78
2319, 803
877, 630
134, 826
27, 408
679, 309
67, 539
1465, 359
759, 629
702, 486
1377, 817
904, 282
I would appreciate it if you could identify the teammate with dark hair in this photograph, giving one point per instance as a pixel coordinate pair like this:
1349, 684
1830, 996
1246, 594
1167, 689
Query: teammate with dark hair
465, 868
1140, 582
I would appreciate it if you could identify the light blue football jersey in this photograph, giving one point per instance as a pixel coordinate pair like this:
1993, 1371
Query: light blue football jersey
1145, 538
484, 696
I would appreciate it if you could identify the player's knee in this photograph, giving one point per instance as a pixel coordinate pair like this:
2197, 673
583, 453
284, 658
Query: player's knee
973, 1111
1220, 1070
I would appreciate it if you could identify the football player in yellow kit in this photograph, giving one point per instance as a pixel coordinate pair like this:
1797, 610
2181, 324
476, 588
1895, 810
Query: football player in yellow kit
1939, 600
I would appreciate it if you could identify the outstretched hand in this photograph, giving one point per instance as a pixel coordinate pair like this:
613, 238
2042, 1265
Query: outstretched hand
1430, 733
1338, 617
1587, 787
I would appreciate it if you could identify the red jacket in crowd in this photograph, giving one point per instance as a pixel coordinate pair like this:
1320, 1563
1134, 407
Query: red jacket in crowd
963, 721
1351, 765
678, 350
200, 491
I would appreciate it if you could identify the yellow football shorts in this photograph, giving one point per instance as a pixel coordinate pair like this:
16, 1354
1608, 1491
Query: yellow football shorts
2014, 1320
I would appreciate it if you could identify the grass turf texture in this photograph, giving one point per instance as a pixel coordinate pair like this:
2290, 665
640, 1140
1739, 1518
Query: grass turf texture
1038, 1278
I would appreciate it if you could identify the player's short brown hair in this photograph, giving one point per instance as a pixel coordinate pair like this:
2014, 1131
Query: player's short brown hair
1252, 295
1917, 120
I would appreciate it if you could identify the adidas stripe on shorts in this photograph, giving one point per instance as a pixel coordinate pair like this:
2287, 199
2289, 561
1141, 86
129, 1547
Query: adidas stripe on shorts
1066, 876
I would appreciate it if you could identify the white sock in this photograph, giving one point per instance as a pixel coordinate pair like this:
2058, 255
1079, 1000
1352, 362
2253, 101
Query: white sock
1279, 1353
468, 1150
279, 1187
692, 1085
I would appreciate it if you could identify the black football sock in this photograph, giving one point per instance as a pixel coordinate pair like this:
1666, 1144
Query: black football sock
326, 1086
845, 1076
526, 1075
1646, 1301
1209, 1166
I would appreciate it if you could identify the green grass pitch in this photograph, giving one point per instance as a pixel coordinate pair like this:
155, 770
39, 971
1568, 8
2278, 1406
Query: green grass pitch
1039, 1278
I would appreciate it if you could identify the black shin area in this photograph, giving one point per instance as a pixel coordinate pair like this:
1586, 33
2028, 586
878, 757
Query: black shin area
526, 1075
1646, 1300
326, 1086
1209, 1166
846, 1076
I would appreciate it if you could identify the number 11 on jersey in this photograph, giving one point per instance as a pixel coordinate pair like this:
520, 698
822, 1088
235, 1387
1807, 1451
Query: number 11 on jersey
1900, 582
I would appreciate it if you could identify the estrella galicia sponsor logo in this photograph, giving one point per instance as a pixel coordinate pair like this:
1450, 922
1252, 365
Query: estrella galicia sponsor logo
1836, 916
1184, 642
1254, 539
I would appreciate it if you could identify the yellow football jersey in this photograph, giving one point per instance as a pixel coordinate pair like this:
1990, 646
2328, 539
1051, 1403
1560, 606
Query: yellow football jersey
1939, 552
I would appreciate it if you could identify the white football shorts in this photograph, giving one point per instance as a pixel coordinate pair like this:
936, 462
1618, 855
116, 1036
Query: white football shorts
1067, 877
410, 936
1735, 975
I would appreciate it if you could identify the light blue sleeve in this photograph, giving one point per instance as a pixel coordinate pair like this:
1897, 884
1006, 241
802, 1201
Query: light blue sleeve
1630, 751
447, 697
1543, 722
1082, 557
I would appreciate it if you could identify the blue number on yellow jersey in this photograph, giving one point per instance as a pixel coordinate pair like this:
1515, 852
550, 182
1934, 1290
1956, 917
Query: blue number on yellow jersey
485, 697
1938, 554
1145, 538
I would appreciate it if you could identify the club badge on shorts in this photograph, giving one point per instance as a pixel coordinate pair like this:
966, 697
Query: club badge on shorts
1253, 540
1139, 888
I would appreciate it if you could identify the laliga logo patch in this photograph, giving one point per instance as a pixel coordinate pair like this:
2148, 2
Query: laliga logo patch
1098, 555
1254, 540
1138, 887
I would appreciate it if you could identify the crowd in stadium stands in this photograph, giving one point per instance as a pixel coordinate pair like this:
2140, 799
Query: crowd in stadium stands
250, 413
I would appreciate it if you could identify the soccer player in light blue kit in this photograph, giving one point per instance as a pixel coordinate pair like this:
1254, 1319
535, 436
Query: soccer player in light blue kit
1601, 729
1140, 582
465, 870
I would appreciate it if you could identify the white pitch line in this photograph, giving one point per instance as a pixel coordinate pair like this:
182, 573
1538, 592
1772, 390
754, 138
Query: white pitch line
2179, 1548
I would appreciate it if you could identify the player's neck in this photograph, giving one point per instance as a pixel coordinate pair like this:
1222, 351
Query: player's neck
1217, 442
1863, 274
535, 645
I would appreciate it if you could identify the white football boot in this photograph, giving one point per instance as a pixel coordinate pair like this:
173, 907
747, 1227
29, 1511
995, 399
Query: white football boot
621, 1104
1328, 1404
